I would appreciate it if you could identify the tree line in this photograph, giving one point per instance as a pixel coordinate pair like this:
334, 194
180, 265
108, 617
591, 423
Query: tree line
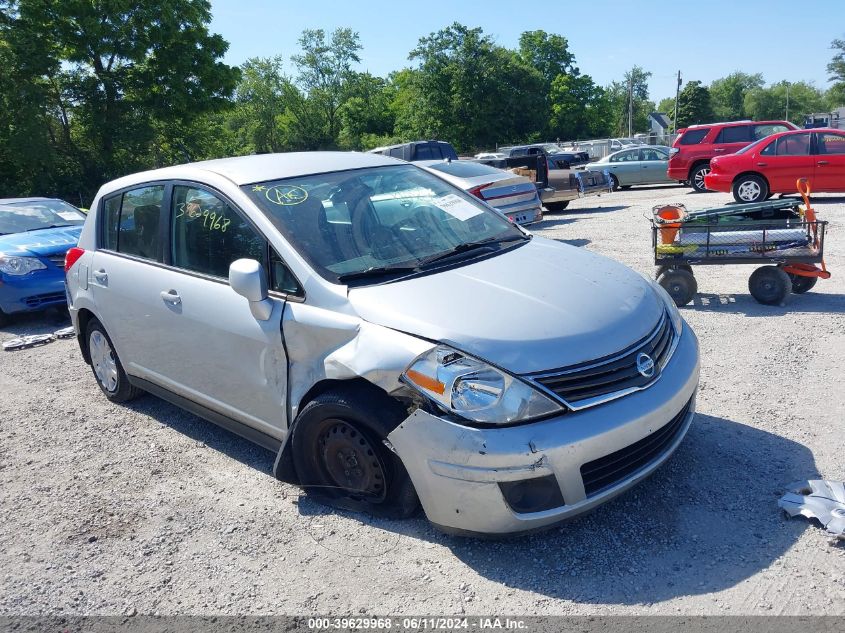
92, 90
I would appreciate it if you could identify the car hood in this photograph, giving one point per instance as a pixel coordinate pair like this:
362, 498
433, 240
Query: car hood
43, 242
538, 307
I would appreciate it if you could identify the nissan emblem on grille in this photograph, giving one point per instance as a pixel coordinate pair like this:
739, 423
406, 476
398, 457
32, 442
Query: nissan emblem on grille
645, 365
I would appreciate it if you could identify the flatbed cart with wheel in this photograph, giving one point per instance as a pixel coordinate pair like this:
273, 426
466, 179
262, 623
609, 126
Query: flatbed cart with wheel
782, 237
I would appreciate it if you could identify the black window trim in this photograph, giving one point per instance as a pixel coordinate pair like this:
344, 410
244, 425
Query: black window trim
100, 227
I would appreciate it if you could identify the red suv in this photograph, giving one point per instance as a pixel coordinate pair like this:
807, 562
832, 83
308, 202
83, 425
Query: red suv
689, 159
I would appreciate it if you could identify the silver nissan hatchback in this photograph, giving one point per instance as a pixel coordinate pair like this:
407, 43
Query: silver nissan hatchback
393, 339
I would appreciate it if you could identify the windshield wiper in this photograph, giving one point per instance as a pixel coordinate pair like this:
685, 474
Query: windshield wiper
52, 226
377, 271
471, 246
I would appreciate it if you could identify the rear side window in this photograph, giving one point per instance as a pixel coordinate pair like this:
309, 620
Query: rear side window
208, 234
794, 145
762, 131
734, 134
693, 137
133, 222
397, 152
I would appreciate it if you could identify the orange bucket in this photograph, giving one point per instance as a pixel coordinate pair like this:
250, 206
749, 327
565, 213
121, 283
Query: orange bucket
669, 231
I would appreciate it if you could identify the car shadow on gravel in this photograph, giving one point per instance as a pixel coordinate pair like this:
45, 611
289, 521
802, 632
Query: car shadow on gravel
705, 521
204, 432
814, 302
35, 323
598, 209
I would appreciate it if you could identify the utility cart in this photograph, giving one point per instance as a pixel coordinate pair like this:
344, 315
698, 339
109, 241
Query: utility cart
782, 237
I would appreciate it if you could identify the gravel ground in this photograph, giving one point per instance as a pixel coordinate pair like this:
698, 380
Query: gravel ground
146, 509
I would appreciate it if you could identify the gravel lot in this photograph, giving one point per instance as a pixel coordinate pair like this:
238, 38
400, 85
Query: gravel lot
147, 509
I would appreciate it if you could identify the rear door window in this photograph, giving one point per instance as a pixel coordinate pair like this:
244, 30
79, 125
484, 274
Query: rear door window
735, 134
133, 222
426, 152
794, 145
693, 137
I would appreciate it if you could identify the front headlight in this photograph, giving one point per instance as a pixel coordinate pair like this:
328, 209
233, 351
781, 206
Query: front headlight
18, 265
671, 308
474, 390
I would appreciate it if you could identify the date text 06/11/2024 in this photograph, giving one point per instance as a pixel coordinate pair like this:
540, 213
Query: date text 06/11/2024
416, 623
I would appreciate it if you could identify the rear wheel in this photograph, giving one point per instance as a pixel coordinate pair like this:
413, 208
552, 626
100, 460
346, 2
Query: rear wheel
801, 284
680, 284
557, 206
340, 456
750, 188
106, 365
770, 285
696, 177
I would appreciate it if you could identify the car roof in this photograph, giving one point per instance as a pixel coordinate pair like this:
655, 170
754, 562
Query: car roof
243, 170
730, 124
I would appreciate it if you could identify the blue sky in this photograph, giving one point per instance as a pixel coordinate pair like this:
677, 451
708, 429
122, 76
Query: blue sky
704, 40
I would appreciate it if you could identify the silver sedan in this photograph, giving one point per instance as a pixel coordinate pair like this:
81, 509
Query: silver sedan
645, 165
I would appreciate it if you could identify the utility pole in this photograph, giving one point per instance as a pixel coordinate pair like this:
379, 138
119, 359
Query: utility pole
787, 101
630, 103
677, 93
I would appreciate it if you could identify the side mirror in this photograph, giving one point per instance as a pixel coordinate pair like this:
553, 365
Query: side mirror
248, 279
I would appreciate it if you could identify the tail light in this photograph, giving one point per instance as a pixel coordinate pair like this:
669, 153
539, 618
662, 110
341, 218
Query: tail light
476, 191
72, 256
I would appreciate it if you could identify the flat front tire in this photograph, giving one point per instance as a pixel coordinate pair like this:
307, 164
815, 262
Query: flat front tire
340, 456
107, 368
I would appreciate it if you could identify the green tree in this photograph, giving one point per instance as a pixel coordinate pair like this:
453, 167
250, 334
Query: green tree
548, 53
580, 109
117, 85
836, 68
771, 102
367, 112
727, 95
694, 105
637, 102
325, 68
469, 91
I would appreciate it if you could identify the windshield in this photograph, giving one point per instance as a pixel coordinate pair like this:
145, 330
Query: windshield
551, 148
359, 221
18, 217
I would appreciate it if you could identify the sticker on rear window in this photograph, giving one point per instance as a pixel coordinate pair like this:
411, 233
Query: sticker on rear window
70, 215
286, 195
457, 207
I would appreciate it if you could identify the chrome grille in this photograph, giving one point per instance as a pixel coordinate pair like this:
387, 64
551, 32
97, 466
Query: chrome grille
605, 379
58, 260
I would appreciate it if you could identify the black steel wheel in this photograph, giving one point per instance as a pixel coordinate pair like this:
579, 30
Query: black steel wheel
696, 177
770, 285
339, 452
680, 284
801, 284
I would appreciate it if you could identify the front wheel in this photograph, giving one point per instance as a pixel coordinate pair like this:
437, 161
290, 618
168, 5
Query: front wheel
614, 182
340, 456
770, 285
750, 188
680, 284
802, 284
696, 177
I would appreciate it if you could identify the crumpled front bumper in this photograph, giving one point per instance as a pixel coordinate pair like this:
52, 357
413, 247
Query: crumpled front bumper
457, 469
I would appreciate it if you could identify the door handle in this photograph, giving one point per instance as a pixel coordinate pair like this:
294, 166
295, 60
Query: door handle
718, 149
822, 162
171, 296
762, 164
101, 276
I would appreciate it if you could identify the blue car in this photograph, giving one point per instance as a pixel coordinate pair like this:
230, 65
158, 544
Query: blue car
35, 234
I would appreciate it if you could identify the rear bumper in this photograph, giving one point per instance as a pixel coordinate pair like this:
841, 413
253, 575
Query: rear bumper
718, 182
678, 173
457, 470
38, 290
